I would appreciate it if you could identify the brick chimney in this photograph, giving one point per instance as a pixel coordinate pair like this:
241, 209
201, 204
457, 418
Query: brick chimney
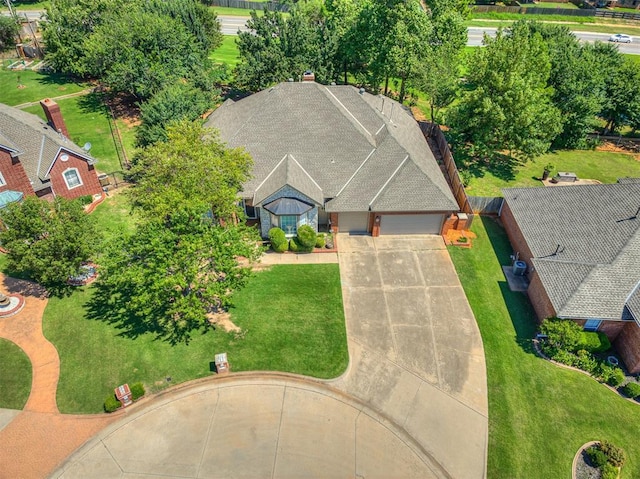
308, 76
54, 116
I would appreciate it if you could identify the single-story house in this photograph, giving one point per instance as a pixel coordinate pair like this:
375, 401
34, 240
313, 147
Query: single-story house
582, 249
38, 158
335, 156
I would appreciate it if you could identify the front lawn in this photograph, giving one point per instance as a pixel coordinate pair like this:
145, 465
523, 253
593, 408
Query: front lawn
539, 413
17, 87
603, 166
15, 375
291, 315
227, 53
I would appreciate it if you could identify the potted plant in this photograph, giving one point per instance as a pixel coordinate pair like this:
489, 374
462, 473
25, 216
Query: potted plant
548, 168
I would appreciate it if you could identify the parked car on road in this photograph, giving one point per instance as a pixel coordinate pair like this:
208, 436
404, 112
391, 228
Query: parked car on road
620, 38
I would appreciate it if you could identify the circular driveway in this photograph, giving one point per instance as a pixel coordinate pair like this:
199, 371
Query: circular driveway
253, 426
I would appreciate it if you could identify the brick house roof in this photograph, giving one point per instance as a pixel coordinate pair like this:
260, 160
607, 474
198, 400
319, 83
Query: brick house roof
36, 144
585, 242
363, 152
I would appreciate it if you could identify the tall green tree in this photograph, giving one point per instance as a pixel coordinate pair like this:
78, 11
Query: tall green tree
9, 30
48, 240
193, 169
169, 276
622, 91
342, 18
509, 104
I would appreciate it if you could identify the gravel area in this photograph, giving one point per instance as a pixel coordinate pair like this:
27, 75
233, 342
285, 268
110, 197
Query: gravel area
584, 469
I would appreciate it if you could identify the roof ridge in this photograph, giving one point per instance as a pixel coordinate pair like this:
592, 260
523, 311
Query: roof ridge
356, 172
269, 175
389, 180
265, 92
371, 137
303, 169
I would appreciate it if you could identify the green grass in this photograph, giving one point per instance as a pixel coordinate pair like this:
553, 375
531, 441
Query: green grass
606, 167
36, 86
566, 6
633, 58
114, 215
292, 315
227, 53
539, 414
237, 12
87, 121
578, 24
28, 4
15, 375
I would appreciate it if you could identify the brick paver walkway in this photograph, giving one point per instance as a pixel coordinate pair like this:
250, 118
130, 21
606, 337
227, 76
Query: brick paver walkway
39, 438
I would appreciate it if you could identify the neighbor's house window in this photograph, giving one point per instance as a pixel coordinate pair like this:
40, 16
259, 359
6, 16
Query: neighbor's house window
289, 224
592, 324
2, 180
72, 178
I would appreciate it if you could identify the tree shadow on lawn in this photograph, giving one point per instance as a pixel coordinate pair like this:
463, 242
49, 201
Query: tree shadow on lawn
92, 103
517, 303
503, 167
50, 79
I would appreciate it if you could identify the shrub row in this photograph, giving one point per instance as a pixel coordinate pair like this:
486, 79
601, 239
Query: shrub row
305, 241
111, 404
566, 343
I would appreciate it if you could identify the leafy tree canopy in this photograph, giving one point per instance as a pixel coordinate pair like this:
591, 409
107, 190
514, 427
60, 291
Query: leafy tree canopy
509, 103
192, 170
48, 241
8, 32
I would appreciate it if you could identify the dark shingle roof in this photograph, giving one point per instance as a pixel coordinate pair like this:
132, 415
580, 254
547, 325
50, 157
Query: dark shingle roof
349, 144
36, 143
288, 172
585, 242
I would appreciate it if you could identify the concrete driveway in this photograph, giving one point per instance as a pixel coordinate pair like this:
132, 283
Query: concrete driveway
412, 404
415, 348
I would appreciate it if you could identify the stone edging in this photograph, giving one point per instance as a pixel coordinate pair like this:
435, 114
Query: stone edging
536, 348
575, 458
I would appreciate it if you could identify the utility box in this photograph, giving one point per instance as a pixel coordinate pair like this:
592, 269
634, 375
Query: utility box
222, 364
519, 268
123, 394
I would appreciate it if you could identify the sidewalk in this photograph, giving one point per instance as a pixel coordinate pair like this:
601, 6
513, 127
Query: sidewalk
270, 258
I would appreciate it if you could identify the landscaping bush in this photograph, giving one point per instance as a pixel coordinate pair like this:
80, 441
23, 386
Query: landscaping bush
564, 357
586, 362
294, 245
608, 471
85, 199
320, 241
597, 457
632, 390
137, 391
111, 404
594, 342
561, 334
614, 454
617, 378
306, 238
278, 240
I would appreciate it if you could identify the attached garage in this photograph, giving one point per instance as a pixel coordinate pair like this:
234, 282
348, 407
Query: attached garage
426, 224
353, 222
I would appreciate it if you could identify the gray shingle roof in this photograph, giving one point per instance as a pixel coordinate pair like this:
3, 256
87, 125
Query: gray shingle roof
632, 306
288, 172
37, 143
596, 235
349, 144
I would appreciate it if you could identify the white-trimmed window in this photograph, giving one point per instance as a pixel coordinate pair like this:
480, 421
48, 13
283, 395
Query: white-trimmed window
72, 178
2, 180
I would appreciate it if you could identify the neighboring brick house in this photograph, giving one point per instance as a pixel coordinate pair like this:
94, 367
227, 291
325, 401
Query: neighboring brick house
335, 156
38, 158
582, 249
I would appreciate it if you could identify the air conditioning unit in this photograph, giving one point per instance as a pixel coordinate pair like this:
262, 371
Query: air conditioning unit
519, 268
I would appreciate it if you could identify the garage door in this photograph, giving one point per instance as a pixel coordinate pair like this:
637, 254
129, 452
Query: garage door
410, 224
353, 222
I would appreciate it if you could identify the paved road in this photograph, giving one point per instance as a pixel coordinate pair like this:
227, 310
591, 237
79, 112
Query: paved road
412, 403
231, 24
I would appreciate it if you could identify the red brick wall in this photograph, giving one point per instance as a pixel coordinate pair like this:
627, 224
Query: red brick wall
333, 219
539, 299
628, 345
516, 238
89, 177
14, 174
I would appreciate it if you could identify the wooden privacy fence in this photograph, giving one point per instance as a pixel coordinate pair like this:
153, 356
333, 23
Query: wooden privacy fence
599, 12
272, 6
433, 131
485, 205
615, 14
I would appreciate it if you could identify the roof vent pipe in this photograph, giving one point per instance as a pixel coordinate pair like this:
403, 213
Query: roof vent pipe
361, 91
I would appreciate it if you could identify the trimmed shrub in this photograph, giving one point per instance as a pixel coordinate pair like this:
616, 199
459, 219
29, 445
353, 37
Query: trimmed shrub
137, 391
597, 457
586, 362
85, 199
614, 453
111, 404
278, 240
617, 378
609, 471
294, 245
320, 241
594, 342
564, 357
632, 390
306, 238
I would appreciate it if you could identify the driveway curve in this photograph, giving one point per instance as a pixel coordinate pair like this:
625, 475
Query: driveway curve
412, 403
